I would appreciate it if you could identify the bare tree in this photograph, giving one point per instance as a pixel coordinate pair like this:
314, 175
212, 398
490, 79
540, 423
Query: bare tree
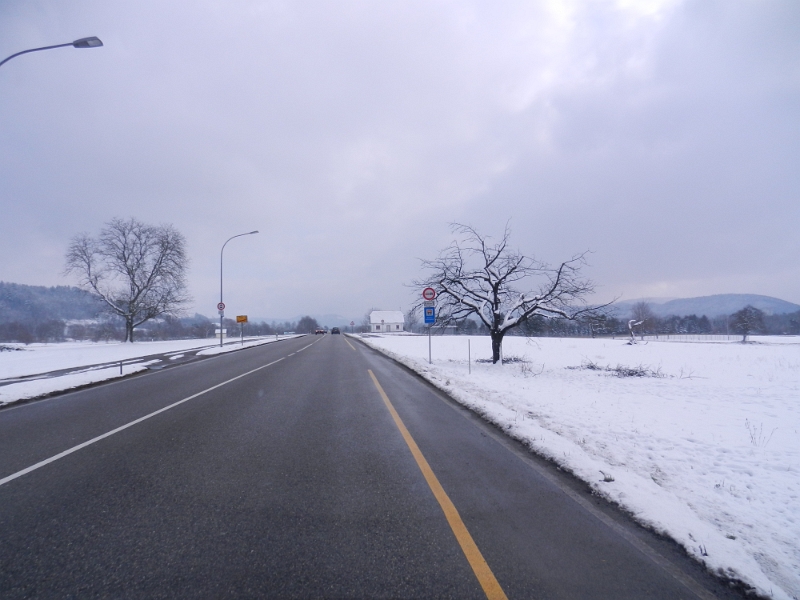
307, 325
493, 282
643, 312
138, 270
366, 325
747, 321
412, 319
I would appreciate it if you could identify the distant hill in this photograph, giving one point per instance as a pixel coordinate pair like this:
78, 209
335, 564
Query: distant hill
710, 306
35, 304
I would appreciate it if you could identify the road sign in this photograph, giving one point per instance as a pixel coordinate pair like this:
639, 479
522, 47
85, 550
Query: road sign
352, 323
221, 306
241, 318
430, 315
428, 303
429, 293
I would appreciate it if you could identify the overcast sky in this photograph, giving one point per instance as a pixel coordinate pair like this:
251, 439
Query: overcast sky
664, 136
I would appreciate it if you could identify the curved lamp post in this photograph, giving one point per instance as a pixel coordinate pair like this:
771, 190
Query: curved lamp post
88, 42
222, 310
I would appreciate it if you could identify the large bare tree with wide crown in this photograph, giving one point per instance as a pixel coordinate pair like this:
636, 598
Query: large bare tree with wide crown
138, 270
500, 286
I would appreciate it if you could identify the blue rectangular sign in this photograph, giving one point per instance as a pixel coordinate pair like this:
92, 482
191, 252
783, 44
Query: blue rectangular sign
430, 315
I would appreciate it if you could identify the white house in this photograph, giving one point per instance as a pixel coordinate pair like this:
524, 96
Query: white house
386, 321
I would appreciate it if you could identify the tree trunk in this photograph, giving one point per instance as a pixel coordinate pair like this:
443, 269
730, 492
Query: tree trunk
497, 342
129, 330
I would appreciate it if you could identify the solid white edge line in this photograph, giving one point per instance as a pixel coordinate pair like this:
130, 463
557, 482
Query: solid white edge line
60, 455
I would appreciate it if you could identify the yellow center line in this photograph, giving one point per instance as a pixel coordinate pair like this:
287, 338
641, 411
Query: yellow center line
486, 578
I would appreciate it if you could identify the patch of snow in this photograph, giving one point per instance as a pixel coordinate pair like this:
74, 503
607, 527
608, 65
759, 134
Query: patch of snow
44, 358
707, 451
41, 387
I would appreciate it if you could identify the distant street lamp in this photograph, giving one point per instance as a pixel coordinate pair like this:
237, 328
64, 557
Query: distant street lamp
222, 310
88, 42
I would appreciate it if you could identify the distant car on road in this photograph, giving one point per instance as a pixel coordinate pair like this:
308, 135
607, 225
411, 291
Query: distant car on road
335, 330
319, 330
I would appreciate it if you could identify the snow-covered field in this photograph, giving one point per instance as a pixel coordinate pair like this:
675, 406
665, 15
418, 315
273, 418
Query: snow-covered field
705, 446
90, 362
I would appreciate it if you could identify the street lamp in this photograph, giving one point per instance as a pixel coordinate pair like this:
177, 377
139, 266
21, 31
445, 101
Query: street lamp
88, 42
221, 304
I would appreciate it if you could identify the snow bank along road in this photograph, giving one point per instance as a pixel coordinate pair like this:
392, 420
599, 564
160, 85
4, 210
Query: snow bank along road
698, 440
40, 369
310, 468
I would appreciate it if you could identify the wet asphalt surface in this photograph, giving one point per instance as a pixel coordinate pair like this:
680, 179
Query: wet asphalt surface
293, 481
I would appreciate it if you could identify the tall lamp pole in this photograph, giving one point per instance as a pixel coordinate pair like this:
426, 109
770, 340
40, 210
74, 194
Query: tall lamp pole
221, 304
89, 42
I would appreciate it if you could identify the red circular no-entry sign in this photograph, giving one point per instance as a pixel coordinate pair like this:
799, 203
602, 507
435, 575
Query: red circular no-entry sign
429, 294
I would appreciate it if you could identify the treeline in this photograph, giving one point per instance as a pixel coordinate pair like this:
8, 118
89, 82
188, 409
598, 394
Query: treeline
30, 313
200, 326
783, 324
109, 329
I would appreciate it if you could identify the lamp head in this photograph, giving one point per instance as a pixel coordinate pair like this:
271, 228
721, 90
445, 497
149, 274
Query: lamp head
88, 42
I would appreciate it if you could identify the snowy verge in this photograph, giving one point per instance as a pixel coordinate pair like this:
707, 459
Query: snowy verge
71, 355
701, 445
27, 390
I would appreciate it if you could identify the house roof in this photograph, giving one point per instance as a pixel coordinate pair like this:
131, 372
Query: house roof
387, 316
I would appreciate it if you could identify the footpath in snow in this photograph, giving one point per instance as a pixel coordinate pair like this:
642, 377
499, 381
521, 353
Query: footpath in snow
40, 369
698, 440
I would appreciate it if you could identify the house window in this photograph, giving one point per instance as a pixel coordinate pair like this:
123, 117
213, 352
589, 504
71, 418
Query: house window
397, 326
377, 327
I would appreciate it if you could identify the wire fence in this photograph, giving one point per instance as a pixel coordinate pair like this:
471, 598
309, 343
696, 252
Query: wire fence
690, 337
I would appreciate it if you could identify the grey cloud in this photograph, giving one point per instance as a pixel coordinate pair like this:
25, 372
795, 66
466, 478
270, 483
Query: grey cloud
351, 133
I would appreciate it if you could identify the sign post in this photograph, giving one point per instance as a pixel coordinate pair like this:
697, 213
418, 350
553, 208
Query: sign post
352, 326
221, 308
430, 361
241, 320
429, 312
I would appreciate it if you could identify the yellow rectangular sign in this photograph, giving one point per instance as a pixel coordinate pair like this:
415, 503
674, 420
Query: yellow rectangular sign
241, 318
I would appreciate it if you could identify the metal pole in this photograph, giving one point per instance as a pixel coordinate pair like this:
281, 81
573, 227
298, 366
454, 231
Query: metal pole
429, 345
90, 42
34, 50
222, 312
469, 358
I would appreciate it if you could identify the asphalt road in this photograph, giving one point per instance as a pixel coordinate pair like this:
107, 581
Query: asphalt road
308, 468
